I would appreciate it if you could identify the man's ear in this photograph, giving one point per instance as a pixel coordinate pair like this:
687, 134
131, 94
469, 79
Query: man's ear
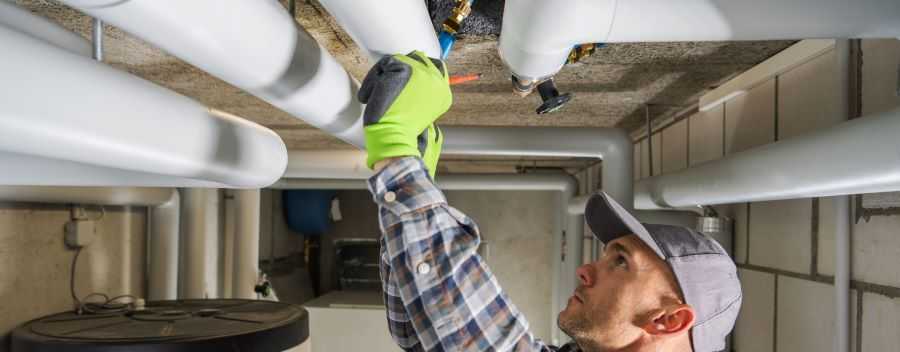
671, 320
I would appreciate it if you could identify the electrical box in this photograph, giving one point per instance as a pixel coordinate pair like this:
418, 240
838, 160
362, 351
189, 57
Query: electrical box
80, 233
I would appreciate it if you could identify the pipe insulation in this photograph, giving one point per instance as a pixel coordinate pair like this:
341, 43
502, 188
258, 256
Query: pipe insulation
103, 117
538, 35
246, 243
384, 29
162, 270
288, 69
21, 20
199, 244
800, 167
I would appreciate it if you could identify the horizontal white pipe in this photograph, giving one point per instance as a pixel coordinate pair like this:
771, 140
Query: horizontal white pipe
162, 258
538, 35
267, 54
806, 166
19, 19
330, 164
381, 28
87, 195
103, 117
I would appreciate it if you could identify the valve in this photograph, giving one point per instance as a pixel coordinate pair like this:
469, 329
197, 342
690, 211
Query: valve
553, 100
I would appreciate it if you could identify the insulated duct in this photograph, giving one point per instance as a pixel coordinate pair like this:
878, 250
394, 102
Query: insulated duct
104, 118
287, 69
537, 36
800, 167
19, 19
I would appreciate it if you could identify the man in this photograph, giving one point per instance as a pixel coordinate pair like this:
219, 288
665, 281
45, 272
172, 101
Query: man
655, 288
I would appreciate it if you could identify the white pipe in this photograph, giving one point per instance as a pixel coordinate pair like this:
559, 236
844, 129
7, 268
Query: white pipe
380, 28
162, 273
800, 167
103, 117
246, 243
199, 247
538, 35
288, 69
842, 248
147, 197
19, 19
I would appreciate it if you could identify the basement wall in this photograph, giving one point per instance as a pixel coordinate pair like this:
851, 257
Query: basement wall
518, 227
35, 264
784, 249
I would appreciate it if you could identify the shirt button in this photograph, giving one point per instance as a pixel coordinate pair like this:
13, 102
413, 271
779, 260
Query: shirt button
390, 197
423, 268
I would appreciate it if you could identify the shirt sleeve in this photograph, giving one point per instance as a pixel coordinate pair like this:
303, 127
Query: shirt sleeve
432, 272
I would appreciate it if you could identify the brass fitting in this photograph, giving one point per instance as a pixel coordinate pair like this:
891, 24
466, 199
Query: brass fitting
580, 52
453, 23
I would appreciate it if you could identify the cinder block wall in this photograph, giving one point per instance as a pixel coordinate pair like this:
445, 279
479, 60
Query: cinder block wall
785, 249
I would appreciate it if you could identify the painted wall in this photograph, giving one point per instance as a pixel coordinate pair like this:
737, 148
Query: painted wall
785, 249
35, 264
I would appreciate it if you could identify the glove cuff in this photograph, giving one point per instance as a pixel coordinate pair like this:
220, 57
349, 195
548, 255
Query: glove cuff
384, 141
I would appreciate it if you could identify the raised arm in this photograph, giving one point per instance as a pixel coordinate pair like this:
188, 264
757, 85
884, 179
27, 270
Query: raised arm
433, 273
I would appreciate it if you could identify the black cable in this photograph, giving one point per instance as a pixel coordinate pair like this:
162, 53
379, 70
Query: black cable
108, 306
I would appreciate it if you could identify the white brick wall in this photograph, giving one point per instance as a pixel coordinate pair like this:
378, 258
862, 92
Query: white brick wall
780, 235
879, 75
754, 331
876, 250
805, 315
740, 233
808, 97
880, 323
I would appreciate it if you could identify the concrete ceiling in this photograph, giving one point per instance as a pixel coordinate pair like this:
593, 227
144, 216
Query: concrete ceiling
611, 88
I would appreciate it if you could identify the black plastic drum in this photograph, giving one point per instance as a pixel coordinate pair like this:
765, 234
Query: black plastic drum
189, 326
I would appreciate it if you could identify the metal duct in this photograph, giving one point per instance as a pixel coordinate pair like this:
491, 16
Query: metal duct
162, 258
102, 117
199, 244
19, 19
538, 35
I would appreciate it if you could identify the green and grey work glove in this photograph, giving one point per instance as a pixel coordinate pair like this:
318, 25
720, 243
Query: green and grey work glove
404, 96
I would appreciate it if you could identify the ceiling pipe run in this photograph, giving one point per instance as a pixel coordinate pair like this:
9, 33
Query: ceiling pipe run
163, 204
287, 68
399, 26
103, 118
537, 35
19, 19
800, 167
569, 247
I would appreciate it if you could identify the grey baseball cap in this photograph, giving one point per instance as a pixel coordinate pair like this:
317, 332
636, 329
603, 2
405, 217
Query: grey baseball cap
705, 273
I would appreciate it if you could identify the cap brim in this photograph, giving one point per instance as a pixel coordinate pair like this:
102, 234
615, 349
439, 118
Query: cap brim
609, 221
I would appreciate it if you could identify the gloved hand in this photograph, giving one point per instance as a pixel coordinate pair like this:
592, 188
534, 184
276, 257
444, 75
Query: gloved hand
404, 96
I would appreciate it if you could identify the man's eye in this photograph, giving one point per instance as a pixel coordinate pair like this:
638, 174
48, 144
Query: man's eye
620, 261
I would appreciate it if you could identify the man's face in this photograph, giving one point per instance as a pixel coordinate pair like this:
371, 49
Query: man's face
616, 292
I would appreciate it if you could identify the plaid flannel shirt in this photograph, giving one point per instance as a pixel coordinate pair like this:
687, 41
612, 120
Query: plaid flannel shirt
439, 293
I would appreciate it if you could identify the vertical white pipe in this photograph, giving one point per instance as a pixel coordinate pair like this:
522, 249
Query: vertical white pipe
842, 247
199, 244
246, 243
843, 216
97, 39
162, 280
228, 234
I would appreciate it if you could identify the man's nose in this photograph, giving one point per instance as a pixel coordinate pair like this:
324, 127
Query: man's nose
585, 274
